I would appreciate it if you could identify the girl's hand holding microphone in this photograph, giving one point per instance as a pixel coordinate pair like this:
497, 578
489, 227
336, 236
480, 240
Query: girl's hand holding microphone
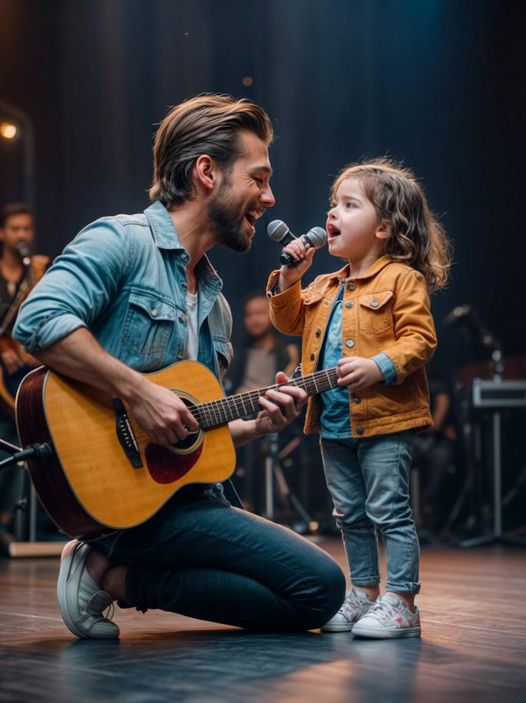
297, 253
302, 255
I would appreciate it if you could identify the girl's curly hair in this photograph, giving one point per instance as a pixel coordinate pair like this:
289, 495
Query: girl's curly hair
417, 238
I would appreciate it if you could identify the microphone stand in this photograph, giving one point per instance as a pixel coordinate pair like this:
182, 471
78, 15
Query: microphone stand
496, 536
27, 503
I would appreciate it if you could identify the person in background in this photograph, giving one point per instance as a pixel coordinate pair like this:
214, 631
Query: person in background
433, 456
19, 272
254, 365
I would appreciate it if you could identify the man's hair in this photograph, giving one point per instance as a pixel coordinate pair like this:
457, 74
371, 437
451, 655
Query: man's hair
12, 209
207, 124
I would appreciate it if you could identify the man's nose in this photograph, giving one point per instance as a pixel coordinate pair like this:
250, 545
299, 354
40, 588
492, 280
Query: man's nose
267, 197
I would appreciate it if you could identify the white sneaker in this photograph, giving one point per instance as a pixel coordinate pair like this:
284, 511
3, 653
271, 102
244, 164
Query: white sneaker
388, 618
355, 605
80, 600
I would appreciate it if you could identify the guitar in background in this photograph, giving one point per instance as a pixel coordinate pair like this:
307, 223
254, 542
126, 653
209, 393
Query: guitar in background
15, 363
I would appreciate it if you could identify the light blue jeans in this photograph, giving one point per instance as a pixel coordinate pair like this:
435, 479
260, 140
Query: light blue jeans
368, 480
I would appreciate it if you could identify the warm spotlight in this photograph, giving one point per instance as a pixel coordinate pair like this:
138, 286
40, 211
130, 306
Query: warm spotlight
8, 131
247, 81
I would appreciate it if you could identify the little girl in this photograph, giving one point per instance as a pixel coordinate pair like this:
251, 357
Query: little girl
372, 320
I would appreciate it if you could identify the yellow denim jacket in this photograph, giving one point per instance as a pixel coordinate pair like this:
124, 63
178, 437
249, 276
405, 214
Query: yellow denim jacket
387, 310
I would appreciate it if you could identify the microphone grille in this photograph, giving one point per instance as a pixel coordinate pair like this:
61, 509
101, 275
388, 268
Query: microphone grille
276, 230
317, 237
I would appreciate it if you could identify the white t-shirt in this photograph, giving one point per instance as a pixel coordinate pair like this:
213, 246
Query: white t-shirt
191, 346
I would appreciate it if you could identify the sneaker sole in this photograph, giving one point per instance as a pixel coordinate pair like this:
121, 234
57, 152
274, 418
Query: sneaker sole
337, 628
388, 634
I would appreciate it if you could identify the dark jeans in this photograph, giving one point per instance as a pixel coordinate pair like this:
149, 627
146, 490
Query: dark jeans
203, 558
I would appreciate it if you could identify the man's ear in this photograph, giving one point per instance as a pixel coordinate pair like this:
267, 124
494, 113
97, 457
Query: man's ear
384, 230
206, 172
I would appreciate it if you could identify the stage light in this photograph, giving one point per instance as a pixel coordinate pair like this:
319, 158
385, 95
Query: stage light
247, 81
8, 131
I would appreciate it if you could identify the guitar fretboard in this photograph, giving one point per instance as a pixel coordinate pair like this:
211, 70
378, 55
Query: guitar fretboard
218, 412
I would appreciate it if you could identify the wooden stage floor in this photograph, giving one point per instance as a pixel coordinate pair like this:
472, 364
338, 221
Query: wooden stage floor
473, 646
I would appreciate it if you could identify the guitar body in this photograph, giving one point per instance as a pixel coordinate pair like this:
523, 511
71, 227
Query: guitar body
90, 487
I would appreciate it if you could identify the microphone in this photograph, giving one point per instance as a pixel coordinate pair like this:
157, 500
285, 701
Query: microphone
465, 317
279, 232
23, 251
460, 314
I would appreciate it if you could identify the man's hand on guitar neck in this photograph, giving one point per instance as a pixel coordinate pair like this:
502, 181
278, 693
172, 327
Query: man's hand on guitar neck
279, 409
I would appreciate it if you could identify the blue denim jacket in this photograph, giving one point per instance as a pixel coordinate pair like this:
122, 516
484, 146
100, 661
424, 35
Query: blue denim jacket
124, 278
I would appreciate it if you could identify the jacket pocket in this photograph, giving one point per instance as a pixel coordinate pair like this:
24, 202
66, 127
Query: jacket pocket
375, 312
312, 297
148, 324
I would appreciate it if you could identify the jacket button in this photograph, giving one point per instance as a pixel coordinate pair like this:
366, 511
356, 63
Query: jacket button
312, 357
359, 430
351, 286
349, 304
155, 312
318, 333
374, 303
357, 400
349, 343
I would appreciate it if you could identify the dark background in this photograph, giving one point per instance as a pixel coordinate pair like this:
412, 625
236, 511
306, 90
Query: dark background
437, 84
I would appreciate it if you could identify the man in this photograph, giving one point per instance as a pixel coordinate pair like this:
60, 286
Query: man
19, 272
135, 293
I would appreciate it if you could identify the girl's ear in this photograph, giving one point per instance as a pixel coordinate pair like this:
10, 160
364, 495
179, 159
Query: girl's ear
384, 230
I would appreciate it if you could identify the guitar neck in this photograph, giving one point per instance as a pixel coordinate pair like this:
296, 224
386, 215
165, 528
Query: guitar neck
218, 412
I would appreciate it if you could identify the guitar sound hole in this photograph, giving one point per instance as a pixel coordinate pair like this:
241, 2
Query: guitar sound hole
189, 441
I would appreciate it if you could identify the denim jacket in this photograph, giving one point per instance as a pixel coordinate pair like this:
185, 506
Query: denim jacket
124, 279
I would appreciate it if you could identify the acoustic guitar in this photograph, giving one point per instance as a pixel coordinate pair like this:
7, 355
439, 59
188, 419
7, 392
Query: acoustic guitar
104, 474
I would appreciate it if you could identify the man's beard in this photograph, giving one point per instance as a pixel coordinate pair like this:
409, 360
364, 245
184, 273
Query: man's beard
224, 216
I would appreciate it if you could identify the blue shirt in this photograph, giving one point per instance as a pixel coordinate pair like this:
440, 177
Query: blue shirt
124, 278
335, 417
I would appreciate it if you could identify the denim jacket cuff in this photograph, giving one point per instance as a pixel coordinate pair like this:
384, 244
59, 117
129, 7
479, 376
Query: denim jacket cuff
386, 366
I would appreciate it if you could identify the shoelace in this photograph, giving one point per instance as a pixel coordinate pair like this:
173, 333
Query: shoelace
383, 609
353, 602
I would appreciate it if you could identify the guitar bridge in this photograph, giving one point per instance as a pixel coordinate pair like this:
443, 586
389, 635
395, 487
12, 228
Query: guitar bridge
125, 434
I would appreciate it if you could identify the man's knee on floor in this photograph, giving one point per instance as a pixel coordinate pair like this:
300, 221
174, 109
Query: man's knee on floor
327, 595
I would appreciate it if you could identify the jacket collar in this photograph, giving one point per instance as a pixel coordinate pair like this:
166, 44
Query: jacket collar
165, 237
163, 230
